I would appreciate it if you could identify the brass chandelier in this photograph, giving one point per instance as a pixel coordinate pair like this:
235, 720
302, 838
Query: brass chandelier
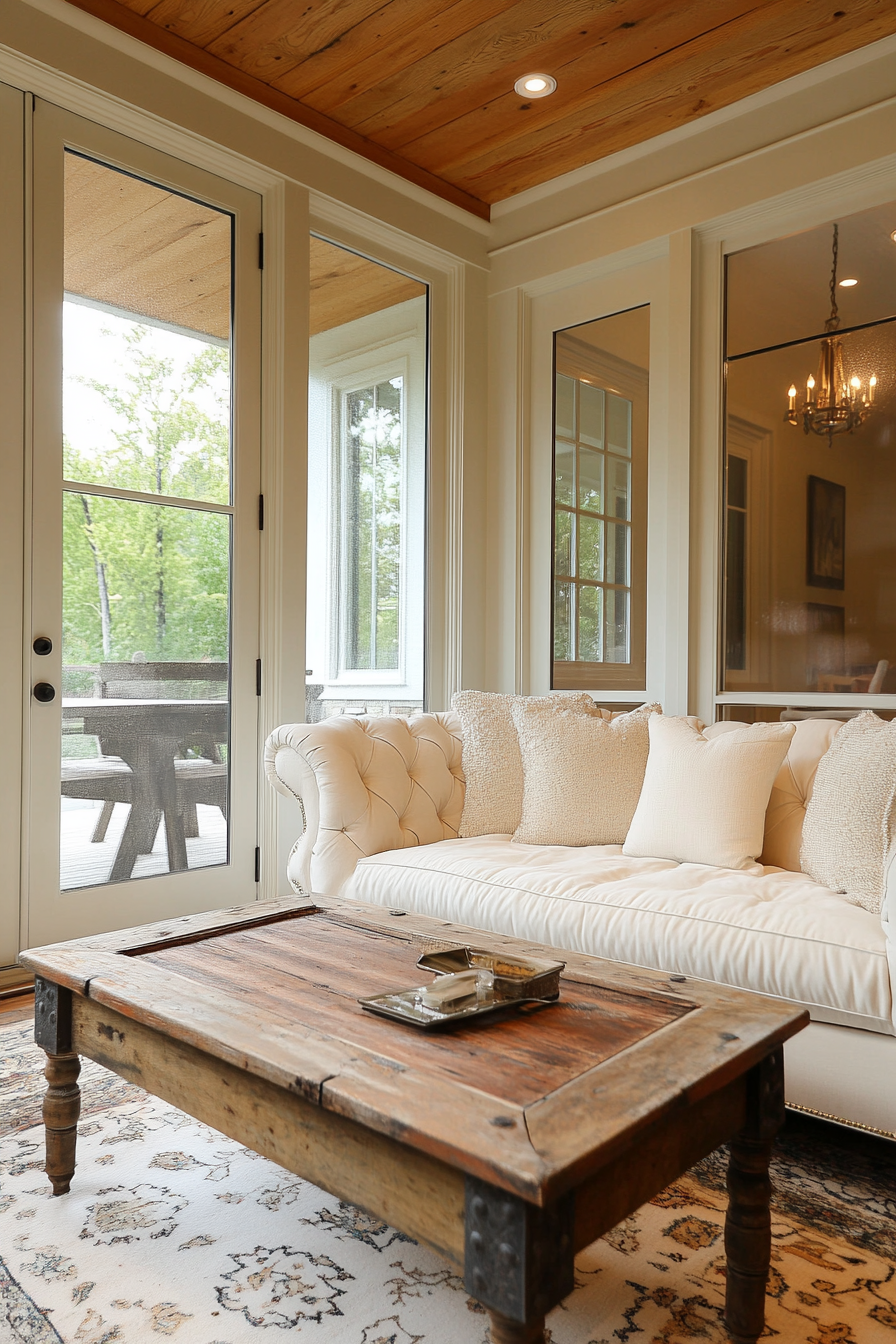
834, 404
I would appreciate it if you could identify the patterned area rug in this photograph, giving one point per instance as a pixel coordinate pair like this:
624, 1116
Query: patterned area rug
172, 1230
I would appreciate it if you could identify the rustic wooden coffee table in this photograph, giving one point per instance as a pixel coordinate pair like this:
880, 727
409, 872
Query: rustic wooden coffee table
506, 1146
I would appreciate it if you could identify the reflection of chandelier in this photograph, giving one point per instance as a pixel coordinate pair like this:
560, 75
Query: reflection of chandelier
834, 403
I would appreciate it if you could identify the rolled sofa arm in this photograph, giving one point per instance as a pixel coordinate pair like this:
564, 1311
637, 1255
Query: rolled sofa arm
365, 785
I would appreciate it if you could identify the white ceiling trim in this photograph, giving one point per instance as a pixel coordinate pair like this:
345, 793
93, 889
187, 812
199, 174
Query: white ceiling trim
847, 192
688, 178
610, 264
329, 215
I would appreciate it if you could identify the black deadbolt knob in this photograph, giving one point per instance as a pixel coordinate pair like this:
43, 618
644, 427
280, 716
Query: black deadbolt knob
44, 692
42, 645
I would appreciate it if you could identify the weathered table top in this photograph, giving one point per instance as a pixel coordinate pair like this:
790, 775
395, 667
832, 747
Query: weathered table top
534, 1103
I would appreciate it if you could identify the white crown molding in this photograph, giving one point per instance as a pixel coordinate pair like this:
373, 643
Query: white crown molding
589, 172
701, 175
593, 270
65, 91
849, 191
329, 214
50, 84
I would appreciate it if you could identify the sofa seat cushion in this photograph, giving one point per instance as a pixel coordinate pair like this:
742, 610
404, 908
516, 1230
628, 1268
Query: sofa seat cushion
764, 929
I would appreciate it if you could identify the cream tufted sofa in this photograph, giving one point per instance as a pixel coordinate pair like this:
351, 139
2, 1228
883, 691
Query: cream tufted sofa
381, 801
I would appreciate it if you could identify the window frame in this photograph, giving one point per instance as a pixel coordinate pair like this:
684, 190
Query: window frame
616, 377
401, 350
342, 672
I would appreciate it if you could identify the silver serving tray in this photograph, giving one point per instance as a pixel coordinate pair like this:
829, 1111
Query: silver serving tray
517, 981
403, 1007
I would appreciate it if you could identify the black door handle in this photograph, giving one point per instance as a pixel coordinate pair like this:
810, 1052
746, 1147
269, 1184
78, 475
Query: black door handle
44, 692
42, 645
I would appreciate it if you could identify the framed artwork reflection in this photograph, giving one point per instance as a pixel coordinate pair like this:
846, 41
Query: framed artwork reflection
825, 534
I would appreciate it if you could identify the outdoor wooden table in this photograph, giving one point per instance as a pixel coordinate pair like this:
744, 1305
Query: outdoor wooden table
506, 1145
148, 734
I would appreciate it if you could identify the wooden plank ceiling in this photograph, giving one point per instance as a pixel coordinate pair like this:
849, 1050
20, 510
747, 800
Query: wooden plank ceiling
144, 250
140, 249
425, 87
345, 286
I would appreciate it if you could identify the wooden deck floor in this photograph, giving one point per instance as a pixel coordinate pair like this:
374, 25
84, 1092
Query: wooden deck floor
84, 864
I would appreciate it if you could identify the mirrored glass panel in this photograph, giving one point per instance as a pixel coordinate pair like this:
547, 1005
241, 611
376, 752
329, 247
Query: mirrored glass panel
780, 292
810, 480
146, 586
600, 502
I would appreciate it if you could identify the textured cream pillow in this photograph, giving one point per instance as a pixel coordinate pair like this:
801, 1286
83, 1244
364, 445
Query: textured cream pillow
493, 801
849, 826
582, 776
704, 799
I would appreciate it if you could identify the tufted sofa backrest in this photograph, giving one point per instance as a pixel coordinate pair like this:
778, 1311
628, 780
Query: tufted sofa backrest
791, 790
366, 785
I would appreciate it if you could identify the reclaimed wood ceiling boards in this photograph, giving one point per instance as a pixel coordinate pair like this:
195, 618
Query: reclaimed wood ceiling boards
140, 249
143, 250
425, 87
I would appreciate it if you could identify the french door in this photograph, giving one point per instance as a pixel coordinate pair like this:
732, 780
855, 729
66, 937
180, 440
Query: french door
143, 621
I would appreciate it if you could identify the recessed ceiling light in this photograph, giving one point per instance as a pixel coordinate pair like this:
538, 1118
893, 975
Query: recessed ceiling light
893, 235
535, 86
848, 284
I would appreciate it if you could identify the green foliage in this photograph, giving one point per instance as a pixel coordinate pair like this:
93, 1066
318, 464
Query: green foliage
151, 577
374, 524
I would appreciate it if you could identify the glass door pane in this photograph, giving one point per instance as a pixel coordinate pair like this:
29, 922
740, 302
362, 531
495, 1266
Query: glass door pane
144, 594
146, 587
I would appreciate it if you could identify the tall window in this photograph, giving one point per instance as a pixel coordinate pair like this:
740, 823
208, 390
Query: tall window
366, 487
600, 465
371, 525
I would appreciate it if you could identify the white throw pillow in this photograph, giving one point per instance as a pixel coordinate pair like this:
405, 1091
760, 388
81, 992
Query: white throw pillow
582, 776
849, 825
493, 801
704, 799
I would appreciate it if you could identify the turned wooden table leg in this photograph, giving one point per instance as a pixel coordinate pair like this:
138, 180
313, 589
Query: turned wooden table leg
504, 1331
748, 1236
62, 1100
61, 1108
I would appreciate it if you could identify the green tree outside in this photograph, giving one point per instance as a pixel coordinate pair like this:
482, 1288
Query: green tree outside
143, 577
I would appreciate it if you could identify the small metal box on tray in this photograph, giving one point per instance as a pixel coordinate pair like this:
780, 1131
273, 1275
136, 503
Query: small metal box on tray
494, 982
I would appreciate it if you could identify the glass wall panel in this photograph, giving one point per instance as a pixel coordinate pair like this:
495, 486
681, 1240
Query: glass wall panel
810, 519
600, 502
366, 487
146, 586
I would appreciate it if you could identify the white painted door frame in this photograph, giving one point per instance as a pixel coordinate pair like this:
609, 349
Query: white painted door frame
49, 914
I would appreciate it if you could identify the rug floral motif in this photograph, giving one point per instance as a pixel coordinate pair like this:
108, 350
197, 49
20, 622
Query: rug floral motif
173, 1231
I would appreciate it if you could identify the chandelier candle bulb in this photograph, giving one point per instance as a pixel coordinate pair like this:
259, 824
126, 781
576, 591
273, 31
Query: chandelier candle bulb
840, 405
